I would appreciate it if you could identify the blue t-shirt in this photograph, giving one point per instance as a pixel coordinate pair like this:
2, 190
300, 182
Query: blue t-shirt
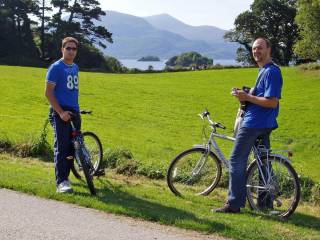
66, 80
269, 84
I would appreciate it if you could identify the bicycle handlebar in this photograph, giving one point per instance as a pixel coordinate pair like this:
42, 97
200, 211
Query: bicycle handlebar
81, 112
206, 114
85, 112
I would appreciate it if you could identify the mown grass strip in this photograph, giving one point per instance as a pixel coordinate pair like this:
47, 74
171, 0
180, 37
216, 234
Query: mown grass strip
151, 200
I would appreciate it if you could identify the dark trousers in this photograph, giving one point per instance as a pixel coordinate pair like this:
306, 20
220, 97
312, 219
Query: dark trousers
63, 146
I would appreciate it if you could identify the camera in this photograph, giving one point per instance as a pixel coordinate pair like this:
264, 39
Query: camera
243, 105
246, 89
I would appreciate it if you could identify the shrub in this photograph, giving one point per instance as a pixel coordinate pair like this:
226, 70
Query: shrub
40, 147
5, 145
315, 194
152, 172
306, 188
127, 167
310, 66
112, 157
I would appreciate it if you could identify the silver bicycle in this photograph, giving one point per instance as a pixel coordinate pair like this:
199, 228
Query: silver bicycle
273, 185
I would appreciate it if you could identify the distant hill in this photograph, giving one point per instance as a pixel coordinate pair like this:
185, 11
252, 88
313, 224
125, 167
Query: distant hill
135, 37
208, 34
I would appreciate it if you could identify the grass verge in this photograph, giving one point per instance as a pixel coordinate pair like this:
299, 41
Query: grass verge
151, 200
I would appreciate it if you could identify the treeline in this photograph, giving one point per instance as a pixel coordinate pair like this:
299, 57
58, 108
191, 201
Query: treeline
292, 26
32, 30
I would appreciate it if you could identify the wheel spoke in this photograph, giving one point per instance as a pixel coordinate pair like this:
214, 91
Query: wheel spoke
281, 194
193, 172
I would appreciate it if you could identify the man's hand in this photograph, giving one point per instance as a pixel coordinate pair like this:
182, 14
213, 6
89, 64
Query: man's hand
261, 101
49, 92
242, 95
66, 115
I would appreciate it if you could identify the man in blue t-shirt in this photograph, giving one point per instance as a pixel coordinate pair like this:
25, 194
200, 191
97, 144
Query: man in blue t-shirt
258, 121
62, 89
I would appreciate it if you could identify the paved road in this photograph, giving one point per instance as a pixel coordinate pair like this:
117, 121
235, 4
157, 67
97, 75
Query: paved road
27, 217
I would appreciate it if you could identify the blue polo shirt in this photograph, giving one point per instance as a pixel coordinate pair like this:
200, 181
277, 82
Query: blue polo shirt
269, 84
66, 81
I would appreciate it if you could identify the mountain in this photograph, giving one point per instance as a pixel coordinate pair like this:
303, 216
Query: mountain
135, 37
208, 34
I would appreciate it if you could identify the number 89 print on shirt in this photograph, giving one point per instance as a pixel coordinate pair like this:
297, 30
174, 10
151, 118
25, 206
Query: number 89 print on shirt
66, 81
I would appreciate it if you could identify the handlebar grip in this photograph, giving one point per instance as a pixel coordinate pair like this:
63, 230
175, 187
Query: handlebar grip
85, 112
219, 125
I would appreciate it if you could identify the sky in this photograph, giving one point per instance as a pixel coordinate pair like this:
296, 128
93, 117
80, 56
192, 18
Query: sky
218, 13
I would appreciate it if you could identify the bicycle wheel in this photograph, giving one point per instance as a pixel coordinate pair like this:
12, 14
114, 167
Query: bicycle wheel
281, 193
87, 168
93, 151
93, 147
194, 172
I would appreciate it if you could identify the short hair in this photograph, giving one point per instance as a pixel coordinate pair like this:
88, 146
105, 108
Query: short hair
267, 41
69, 39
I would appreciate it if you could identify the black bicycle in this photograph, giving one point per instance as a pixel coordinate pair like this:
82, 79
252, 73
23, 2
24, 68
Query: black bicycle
88, 155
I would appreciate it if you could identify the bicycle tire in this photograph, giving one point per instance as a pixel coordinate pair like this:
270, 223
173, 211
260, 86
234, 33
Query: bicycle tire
182, 178
93, 147
86, 170
284, 187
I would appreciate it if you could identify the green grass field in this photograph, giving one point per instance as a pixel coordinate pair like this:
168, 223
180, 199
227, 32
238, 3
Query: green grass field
151, 200
155, 115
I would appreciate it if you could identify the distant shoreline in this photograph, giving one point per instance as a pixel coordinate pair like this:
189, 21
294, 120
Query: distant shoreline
149, 59
160, 65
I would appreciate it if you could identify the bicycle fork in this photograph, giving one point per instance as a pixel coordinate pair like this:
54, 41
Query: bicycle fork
197, 169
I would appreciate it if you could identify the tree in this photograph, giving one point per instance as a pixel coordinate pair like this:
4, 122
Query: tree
308, 19
15, 26
43, 9
273, 19
189, 59
78, 23
113, 65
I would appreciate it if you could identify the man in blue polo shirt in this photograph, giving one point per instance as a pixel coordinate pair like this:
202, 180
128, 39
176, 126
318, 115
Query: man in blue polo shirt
62, 89
259, 120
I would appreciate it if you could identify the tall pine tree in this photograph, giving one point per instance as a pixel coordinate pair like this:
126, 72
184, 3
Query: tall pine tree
76, 18
15, 26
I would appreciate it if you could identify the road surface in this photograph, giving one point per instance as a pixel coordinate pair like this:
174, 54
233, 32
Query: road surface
26, 217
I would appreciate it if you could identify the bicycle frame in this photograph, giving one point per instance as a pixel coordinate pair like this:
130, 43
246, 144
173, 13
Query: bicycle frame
76, 139
213, 146
272, 184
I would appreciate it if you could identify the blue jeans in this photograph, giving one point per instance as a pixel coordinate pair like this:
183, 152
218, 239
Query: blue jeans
245, 140
62, 143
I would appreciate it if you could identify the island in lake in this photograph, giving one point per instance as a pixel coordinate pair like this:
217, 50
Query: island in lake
149, 59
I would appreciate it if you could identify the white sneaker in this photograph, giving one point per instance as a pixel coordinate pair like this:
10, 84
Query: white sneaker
64, 187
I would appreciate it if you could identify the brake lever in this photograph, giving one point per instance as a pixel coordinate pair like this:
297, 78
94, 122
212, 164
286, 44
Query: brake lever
201, 116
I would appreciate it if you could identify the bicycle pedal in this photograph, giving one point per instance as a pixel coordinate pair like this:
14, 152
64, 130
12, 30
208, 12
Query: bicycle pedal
100, 173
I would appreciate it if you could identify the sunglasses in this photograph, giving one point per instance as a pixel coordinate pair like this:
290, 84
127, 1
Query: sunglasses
71, 48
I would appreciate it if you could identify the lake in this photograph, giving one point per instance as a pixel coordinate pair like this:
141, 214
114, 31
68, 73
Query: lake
132, 63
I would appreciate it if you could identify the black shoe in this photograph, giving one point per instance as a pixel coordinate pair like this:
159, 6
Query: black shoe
227, 209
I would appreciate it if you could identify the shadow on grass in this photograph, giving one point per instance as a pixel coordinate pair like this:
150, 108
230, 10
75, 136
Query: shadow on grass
133, 206
298, 219
304, 220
